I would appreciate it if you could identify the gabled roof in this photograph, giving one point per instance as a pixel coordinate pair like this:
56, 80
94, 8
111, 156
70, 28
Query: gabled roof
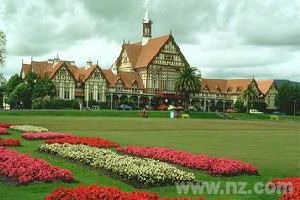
84, 73
265, 85
50, 69
141, 56
128, 78
224, 86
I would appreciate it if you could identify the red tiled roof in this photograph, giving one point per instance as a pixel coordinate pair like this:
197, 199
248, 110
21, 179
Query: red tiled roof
50, 69
128, 78
111, 78
141, 56
230, 86
264, 85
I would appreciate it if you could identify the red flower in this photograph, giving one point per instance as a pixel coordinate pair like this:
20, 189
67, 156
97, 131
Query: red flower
214, 166
93, 142
95, 192
10, 142
45, 135
288, 195
3, 130
24, 169
7, 125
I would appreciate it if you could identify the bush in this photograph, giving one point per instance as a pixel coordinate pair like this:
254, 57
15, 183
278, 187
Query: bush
274, 117
102, 105
55, 104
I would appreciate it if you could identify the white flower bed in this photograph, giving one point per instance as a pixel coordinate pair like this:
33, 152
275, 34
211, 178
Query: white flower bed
29, 128
139, 170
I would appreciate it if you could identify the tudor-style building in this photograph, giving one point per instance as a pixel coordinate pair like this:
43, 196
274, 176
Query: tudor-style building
144, 73
157, 60
85, 83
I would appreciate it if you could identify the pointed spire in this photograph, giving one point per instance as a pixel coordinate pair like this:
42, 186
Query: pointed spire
147, 28
57, 57
89, 63
170, 31
146, 18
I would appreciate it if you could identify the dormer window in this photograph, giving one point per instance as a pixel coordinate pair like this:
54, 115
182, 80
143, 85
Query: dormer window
119, 86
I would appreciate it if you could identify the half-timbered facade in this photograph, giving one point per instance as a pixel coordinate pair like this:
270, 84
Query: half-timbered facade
144, 73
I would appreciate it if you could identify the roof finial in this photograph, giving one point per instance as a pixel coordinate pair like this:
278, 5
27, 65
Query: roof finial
170, 31
146, 17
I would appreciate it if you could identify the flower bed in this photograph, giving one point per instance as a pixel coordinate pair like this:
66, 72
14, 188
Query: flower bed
289, 195
10, 142
3, 131
214, 166
7, 125
99, 192
24, 169
29, 128
45, 135
138, 171
93, 142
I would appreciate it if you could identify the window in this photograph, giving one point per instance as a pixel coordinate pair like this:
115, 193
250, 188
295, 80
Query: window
91, 94
155, 84
99, 96
67, 94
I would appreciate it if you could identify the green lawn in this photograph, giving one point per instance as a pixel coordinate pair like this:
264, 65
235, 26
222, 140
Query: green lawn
271, 146
106, 113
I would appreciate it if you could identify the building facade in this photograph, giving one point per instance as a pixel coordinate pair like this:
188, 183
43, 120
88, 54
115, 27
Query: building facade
143, 74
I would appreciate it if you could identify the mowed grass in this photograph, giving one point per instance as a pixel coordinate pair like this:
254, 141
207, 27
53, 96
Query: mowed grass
271, 146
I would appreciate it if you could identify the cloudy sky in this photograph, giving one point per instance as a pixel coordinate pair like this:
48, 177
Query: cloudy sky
223, 38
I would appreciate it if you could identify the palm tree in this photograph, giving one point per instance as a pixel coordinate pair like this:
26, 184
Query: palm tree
249, 95
188, 83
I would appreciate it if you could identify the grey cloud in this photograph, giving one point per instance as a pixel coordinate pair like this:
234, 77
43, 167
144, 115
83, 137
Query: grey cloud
217, 34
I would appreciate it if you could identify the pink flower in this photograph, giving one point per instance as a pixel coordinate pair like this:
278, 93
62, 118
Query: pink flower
45, 135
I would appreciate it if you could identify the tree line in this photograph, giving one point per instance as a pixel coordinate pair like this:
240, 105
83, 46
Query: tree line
21, 93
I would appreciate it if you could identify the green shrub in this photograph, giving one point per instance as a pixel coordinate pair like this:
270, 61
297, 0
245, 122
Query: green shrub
274, 117
55, 104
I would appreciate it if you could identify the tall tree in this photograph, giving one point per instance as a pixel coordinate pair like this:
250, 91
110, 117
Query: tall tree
288, 98
44, 88
249, 96
12, 83
2, 48
188, 83
20, 97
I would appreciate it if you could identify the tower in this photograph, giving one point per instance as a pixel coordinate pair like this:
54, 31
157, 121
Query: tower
147, 28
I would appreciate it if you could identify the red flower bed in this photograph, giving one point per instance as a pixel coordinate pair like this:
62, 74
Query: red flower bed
93, 142
95, 192
24, 169
45, 135
3, 131
214, 166
289, 195
10, 142
7, 125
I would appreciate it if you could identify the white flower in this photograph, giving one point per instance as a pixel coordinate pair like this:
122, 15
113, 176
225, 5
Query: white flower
143, 170
29, 128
